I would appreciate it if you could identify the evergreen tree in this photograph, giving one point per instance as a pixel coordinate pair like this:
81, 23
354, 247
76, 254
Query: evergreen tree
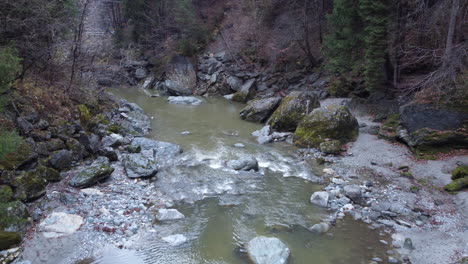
375, 13
343, 45
10, 65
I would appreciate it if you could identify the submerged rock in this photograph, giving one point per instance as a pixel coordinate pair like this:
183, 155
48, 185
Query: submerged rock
320, 228
260, 110
169, 214
60, 224
320, 198
99, 170
292, 110
138, 165
267, 250
175, 240
185, 100
245, 163
330, 122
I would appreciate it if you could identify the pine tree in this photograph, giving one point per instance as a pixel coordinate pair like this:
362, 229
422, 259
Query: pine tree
343, 45
375, 13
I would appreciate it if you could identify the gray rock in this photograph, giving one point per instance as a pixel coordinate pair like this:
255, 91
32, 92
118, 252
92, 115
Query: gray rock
175, 240
320, 228
245, 163
60, 224
90, 142
99, 170
132, 119
185, 100
181, 78
353, 192
24, 126
234, 83
113, 140
264, 139
408, 244
61, 159
260, 110
320, 198
267, 250
169, 214
246, 92
140, 73
162, 150
42, 124
138, 165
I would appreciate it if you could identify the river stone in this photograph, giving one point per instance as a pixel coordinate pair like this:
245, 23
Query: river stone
163, 151
169, 214
90, 142
175, 240
260, 110
331, 122
9, 239
320, 228
267, 250
353, 192
113, 140
246, 92
320, 198
60, 224
181, 78
234, 83
184, 100
99, 170
138, 165
61, 159
245, 163
292, 109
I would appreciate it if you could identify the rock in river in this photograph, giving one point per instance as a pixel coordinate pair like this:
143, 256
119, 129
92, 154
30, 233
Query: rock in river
162, 150
320, 198
320, 228
245, 163
175, 240
260, 110
138, 165
267, 250
169, 214
60, 224
99, 170
184, 100
331, 122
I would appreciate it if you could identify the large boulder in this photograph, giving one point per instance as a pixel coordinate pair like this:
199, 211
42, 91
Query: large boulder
246, 163
267, 250
246, 92
99, 170
28, 186
139, 165
132, 119
331, 122
292, 109
426, 128
234, 83
181, 78
61, 159
259, 110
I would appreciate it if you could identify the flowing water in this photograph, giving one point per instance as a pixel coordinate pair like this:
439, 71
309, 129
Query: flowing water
224, 209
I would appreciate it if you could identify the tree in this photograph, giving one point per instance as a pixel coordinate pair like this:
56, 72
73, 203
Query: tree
10, 65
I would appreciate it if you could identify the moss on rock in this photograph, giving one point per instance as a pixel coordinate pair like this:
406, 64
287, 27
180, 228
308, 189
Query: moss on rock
460, 172
331, 122
13, 216
21, 156
84, 114
9, 239
291, 111
6, 193
388, 130
29, 186
457, 185
49, 174
331, 147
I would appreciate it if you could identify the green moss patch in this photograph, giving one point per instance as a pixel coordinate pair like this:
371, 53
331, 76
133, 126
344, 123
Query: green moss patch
460, 172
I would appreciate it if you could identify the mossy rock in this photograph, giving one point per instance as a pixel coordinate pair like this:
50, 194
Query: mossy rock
460, 172
78, 150
331, 147
457, 185
84, 114
246, 92
29, 186
340, 87
292, 109
13, 216
14, 160
114, 128
332, 122
388, 130
98, 171
9, 239
6, 193
49, 174
97, 120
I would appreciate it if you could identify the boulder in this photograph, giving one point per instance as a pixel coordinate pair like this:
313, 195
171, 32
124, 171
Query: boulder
132, 119
113, 140
28, 186
140, 73
13, 216
78, 150
60, 224
97, 171
331, 147
267, 250
162, 150
246, 92
9, 239
138, 165
246, 163
292, 110
426, 127
184, 100
263, 135
90, 142
320, 198
234, 83
169, 214
49, 174
181, 78
259, 110
61, 159
331, 122
21, 157
353, 192
175, 240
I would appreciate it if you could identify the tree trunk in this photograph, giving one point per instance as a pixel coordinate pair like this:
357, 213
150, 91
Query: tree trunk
451, 33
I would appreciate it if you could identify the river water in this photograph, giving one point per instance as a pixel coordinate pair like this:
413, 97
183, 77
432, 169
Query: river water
224, 209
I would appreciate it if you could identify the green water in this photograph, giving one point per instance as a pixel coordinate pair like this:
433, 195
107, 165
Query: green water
268, 204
